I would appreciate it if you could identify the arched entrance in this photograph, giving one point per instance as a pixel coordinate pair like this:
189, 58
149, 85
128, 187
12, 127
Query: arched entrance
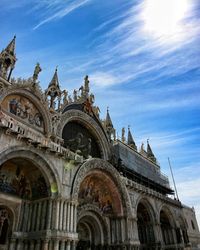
145, 227
166, 228
91, 232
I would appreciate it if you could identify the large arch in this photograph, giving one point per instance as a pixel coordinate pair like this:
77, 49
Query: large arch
35, 158
35, 100
92, 228
89, 123
95, 165
146, 224
168, 226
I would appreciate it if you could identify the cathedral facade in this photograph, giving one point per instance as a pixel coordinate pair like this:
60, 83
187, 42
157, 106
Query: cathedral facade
67, 183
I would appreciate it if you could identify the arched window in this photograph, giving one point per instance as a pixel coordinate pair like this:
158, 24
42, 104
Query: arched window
167, 229
145, 226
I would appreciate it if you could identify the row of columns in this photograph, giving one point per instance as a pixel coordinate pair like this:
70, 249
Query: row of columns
48, 214
46, 244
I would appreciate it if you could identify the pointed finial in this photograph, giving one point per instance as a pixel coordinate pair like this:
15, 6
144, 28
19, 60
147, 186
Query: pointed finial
150, 153
130, 141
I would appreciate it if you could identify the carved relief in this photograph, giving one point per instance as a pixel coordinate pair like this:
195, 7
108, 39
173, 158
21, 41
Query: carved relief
23, 108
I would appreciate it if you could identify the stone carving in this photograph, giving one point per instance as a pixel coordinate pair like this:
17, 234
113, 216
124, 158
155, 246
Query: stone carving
80, 145
123, 135
37, 70
75, 95
23, 108
87, 108
96, 110
65, 97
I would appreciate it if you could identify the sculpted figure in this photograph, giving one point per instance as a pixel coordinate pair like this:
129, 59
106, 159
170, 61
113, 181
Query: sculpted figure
37, 70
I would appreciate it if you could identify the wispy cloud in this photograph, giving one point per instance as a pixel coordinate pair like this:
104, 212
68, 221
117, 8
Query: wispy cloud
61, 9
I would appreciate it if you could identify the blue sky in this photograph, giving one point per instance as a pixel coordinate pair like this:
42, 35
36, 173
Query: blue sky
143, 61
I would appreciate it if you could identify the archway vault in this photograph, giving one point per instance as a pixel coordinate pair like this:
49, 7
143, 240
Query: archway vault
91, 227
34, 160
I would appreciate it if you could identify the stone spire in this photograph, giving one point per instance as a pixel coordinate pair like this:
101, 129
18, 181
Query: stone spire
108, 121
53, 90
150, 154
8, 60
130, 141
11, 47
109, 125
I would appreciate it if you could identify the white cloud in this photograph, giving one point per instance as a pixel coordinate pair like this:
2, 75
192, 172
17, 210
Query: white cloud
62, 12
103, 79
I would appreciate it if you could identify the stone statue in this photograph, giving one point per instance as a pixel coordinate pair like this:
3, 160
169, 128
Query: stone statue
96, 110
37, 70
82, 91
65, 94
70, 99
75, 95
86, 85
92, 98
123, 135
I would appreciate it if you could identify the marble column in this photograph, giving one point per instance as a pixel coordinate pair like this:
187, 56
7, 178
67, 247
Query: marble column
68, 216
43, 214
71, 217
32, 245
49, 214
68, 245
75, 218
51, 245
38, 245
73, 245
12, 245
61, 215
57, 214
38, 220
30, 217
45, 244
62, 247
19, 245
25, 218
64, 215
56, 245
33, 217
21, 219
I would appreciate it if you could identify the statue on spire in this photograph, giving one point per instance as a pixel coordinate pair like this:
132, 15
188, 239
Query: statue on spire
37, 70
86, 86
123, 135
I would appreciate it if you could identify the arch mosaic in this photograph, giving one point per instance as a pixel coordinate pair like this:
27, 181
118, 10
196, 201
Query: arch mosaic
23, 105
45, 166
93, 165
89, 123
